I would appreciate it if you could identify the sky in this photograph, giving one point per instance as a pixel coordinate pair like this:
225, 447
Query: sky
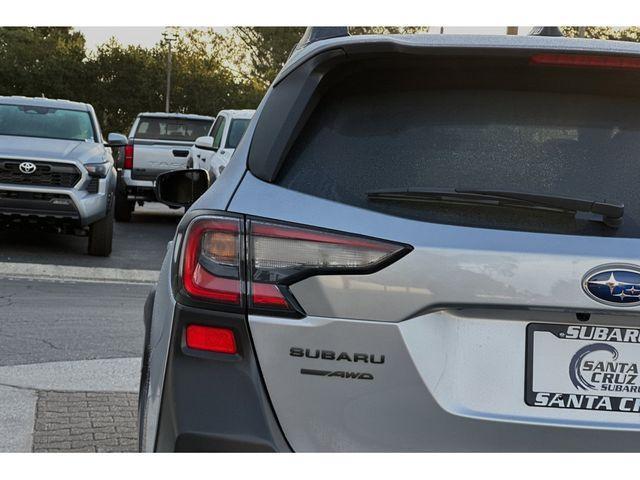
149, 36
143, 36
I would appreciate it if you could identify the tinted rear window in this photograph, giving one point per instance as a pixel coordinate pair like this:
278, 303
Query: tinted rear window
177, 129
536, 134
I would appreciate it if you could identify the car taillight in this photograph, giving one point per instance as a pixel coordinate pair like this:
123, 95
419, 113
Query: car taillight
280, 255
579, 60
277, 255
128, 157
212, 260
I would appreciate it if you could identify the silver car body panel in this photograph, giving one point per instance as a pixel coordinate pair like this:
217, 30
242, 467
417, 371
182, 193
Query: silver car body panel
451, 381
450, 318
159, 340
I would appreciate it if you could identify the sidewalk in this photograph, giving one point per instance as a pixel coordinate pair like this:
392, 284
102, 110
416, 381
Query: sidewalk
88, 405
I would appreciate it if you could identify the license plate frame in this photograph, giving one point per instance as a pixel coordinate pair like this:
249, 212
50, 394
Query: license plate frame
588, 347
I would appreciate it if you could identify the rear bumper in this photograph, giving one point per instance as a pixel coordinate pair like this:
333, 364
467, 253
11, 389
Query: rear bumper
213, 402
191, 401
139, 190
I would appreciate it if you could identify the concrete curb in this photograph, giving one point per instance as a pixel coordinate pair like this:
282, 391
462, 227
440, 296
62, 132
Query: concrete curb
104, 375
17, 416
87, 274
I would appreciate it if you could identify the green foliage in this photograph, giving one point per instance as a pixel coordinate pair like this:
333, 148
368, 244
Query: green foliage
628, 34
386, 30
121, 81
210, 71
36, 61
258, 53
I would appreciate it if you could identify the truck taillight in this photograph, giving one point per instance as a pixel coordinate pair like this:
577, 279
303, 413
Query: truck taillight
276, 255
128, 157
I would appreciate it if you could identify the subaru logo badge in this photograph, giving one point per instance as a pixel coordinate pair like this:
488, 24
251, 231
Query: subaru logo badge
617, 285
27, 167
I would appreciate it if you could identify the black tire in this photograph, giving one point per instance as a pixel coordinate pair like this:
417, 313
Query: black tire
101, 236
123, 208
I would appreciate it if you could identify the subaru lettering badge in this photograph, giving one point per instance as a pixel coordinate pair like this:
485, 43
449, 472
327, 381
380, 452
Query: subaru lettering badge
617, 285
27, 167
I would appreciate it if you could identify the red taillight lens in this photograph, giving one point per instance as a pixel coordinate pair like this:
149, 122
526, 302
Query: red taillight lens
211, 268
128, 157
211, 339
277, 255
597, 61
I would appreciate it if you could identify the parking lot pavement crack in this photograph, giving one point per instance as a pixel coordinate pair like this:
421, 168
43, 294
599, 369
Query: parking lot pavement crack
7, 300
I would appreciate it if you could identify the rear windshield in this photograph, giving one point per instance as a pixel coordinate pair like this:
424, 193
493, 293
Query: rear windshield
178, 129
555, 137
44, 122
236, 131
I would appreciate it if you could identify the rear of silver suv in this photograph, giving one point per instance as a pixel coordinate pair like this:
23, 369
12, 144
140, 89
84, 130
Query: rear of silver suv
424, 243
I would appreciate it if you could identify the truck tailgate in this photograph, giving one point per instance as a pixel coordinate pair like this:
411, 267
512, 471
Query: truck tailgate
153, 157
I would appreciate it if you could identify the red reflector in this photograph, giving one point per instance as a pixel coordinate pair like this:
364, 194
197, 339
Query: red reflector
211, 339
128, 157
268, 295
598, 61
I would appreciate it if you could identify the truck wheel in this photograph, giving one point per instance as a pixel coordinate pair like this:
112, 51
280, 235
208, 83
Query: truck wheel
101, 236
123, 208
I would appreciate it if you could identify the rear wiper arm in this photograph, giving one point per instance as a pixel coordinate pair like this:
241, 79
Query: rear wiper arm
610, 213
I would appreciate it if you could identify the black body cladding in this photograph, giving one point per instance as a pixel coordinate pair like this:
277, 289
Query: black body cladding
215, 402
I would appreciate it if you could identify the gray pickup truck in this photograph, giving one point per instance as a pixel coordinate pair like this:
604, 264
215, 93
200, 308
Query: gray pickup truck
56, 171
158, 143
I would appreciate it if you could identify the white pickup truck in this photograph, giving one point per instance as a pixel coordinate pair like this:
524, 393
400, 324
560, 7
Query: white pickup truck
158, 143
213, 152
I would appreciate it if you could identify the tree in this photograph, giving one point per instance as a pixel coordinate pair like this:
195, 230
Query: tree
125, 81
629, 34
256, 54
43, 60
387, 30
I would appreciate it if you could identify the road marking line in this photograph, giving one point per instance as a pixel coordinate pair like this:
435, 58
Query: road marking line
87, 274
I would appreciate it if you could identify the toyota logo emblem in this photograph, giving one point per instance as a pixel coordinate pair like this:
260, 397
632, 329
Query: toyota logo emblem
27, 167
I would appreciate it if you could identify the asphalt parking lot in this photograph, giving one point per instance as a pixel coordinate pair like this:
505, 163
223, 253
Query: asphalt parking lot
70, 343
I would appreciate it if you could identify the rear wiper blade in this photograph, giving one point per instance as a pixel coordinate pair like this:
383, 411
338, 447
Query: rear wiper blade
610, 213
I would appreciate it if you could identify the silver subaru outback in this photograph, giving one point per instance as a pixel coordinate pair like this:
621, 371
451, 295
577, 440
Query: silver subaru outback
56, 172
422, 243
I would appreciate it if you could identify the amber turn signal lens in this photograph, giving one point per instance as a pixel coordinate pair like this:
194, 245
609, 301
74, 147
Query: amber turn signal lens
221, 247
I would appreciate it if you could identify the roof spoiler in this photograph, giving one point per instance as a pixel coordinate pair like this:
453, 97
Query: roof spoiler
546, 32
315, 34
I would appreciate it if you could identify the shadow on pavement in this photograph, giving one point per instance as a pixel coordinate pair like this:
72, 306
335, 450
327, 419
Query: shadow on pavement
139, 244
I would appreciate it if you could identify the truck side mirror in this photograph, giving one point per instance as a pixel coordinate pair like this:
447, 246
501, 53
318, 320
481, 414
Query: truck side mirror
205, 143
116, 140
181, 188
